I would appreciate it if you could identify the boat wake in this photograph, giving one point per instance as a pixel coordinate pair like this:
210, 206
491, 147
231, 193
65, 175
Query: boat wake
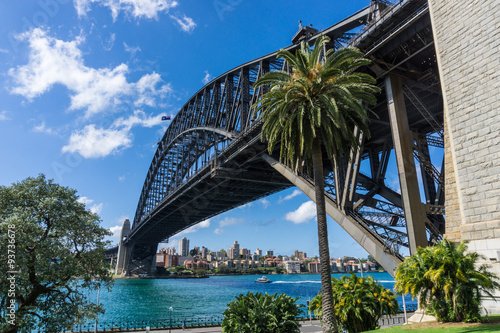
296, 282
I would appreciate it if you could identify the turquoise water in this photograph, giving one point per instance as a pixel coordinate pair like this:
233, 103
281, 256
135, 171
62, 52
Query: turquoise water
150, 299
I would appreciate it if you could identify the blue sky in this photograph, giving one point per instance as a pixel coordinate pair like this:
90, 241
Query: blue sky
85, 83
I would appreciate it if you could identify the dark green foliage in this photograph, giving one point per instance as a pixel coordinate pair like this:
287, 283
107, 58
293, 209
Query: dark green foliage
58, 249
262, 313
447, 280
359, 303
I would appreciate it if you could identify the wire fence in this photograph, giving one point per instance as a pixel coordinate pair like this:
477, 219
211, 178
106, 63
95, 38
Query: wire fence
189, 322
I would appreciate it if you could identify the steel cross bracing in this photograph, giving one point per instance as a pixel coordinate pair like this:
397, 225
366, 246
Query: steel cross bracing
210, 158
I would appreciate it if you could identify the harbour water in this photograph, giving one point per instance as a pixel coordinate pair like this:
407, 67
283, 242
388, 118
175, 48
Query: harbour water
151, 299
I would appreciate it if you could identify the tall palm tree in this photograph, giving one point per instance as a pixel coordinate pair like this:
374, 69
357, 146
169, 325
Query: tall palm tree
318, 104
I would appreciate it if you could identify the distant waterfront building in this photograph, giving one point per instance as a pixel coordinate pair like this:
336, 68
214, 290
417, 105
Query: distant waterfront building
183, 259
255, 257
166, 260
292, 266
300, 255
204, 252
232, 254
183, 247
313, 267
269, 253
259, 252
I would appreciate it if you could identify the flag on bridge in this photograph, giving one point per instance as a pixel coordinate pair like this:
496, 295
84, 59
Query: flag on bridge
165, 118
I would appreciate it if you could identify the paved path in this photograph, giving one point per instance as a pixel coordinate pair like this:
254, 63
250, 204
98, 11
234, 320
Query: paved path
307, 327
313, 326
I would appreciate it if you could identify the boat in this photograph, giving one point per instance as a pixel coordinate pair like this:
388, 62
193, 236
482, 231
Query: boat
263, 280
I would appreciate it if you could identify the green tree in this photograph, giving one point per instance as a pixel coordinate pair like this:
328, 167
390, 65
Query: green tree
262, 313
223, 269
57, 248
359, 303
318, 104
448, 281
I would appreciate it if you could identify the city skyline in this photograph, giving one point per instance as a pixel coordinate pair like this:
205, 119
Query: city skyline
86, 84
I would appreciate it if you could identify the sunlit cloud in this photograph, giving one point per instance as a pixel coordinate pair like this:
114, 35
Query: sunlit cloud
207, 78
4, 115
303, 214
202, 225
43, 129
95, 142
295, 193
53, 61
265, 203
186, 23
135, 8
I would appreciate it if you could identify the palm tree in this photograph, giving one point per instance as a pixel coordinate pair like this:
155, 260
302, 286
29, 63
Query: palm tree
448, 281
318, 104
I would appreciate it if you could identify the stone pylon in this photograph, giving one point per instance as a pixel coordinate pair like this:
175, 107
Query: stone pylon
122, 249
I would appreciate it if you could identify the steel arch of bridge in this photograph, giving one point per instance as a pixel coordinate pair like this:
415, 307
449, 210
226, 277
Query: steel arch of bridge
214, 142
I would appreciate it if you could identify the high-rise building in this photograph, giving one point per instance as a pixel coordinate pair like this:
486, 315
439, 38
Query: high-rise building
236, 247
184, 247
259, 252
269, 253
204, 252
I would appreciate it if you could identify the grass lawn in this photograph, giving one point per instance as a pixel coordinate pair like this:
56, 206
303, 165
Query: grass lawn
433, 327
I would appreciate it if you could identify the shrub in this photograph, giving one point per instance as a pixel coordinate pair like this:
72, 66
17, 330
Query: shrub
358, 302
448, 281
262, 313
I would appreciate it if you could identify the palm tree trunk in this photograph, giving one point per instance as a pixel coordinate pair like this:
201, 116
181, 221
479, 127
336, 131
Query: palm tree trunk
329, 322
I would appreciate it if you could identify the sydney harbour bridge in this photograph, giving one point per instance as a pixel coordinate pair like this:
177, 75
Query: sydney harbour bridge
211, 158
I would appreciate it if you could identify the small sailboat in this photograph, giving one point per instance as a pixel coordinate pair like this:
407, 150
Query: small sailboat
263, 280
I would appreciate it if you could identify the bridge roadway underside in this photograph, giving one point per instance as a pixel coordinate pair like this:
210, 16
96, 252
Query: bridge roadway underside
238, 176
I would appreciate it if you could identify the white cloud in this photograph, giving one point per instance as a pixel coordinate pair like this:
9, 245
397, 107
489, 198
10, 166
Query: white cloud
4, 115
53, 61
304, 213
110, 42
92, 142
136, 8
116, 230
207, 78
131, 50
186, 23
147, 91
250, 204
202, 225
4, 51
96, 209
85, 200
230, 221
265, 203
218, 231
295, 193
43, 129
121, 178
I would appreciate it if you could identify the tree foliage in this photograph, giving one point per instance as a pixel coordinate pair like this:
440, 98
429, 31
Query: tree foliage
262, 313
448, 281
359, 303
57, 249
316, 107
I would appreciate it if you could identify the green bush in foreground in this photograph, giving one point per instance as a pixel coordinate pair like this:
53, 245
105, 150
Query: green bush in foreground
448, 281
358, 302
262, 313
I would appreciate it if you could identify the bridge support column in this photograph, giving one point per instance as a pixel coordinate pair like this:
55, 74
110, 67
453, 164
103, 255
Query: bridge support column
122, 249
403, 145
